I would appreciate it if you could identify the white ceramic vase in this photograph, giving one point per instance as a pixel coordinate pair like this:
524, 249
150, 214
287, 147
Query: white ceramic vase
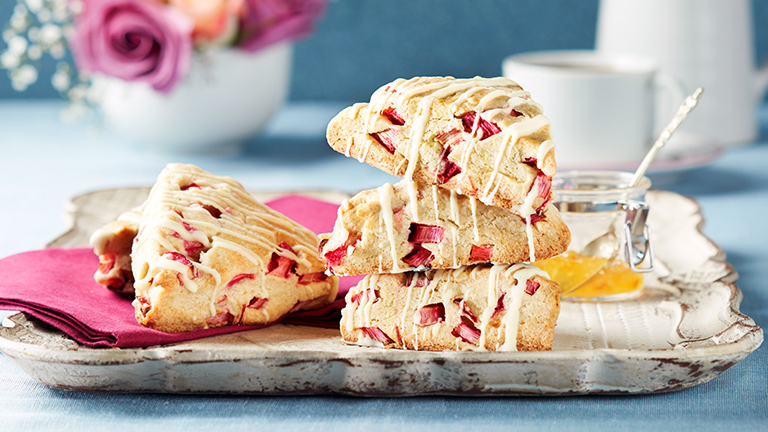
227, 96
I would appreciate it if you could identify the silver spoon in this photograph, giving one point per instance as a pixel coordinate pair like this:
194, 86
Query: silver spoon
607, 245
682, 113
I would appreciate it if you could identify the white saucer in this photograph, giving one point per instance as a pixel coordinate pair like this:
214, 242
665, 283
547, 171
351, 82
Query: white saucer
685, 151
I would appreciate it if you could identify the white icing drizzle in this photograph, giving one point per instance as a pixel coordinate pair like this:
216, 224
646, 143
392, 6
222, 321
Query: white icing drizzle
464, 97
258, 263
526, 211
427, 293
488, 98
230, 198
455, 208
354, 110
385, 199
529, 236
401, 90
473, 206
364, 150
404, 90
413, 195
368, 298
404, 314
511, 135
417, 134
351, 307
348, 148
435, 203
180, 268
511, 319
542, 151
400, 164
454, 241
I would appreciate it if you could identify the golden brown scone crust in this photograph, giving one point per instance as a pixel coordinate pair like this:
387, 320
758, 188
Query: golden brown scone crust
386, 310
208, 254
499, 169
361, 244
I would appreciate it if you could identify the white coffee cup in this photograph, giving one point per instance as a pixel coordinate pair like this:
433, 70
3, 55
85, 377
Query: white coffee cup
601, 106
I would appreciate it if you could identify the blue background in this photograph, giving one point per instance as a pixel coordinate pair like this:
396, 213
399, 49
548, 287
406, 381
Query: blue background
361, 44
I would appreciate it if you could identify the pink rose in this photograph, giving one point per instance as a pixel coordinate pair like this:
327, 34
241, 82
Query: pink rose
134, 40
266, 22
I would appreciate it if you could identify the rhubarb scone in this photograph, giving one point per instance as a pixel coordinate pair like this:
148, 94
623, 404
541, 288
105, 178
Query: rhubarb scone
208, 254
112, 243
483, 307
408, 226
482, 137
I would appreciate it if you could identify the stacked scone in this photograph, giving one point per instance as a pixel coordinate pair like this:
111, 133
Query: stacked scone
445, 248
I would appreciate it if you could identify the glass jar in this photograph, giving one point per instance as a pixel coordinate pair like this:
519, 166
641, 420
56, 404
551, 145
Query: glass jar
610, 240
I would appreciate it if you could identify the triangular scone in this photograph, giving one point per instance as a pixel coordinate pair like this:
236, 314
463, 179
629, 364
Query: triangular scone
469, 308
408, 226
208, 254
112, 243
480, 137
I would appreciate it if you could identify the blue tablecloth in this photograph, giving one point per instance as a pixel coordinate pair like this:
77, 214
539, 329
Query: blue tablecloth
44, 162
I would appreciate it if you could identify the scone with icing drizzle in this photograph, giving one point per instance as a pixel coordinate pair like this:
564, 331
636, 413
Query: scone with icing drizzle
482, 307
482, 137
408, 226
208, 254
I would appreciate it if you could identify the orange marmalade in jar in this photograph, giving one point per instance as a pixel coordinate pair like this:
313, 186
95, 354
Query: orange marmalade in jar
610, 240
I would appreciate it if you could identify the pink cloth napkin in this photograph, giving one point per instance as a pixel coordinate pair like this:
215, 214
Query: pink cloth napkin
56, 286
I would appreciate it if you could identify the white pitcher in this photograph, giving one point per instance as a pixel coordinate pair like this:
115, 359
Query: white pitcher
704, 43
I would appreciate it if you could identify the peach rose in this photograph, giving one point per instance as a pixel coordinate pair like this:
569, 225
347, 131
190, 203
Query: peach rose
216, 21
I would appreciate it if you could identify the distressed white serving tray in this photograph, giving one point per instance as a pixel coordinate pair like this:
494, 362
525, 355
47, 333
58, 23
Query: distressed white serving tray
685, 330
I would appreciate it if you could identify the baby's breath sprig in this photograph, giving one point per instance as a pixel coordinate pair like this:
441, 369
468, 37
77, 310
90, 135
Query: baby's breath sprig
38, 28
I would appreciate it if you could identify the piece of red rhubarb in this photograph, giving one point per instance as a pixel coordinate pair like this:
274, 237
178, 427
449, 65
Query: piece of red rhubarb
106, 263
387, 138
282, 266
399, 336
421, 233
175, 256
467, 332
223, 318
417, 279
531, 287
432, 314
446, 169
364, 296
544, 183
309, 278
499, 306
377, 334
392, 115
215, 212
537, 217
479, 126
418, 257
335, 256
256, 303
481, 253
450, 138
531, 162
191, 185
241, 277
